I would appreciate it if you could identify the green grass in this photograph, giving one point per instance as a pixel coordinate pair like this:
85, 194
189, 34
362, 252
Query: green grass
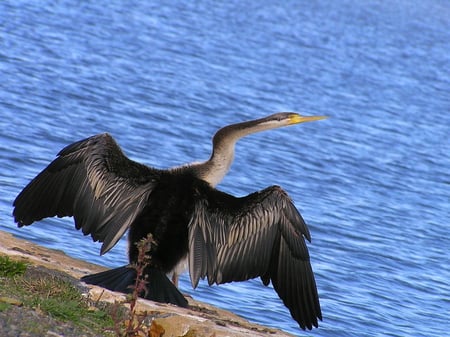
53, 295
62, 300
4, 306
9, 268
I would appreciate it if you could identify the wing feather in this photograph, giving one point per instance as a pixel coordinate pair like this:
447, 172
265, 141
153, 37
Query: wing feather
93, 181
259, 235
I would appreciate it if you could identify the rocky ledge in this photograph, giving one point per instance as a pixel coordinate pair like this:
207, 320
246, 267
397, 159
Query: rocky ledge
199, 319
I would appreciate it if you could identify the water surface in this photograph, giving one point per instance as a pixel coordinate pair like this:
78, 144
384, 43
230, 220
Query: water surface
372, 181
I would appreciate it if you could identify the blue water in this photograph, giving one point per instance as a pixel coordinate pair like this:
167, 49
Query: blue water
372, 181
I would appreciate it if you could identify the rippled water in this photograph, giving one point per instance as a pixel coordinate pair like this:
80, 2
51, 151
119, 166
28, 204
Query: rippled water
373, 181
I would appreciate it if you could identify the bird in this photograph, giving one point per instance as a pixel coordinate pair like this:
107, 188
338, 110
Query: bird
221, 238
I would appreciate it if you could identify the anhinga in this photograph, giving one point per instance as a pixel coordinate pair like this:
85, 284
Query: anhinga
224, 238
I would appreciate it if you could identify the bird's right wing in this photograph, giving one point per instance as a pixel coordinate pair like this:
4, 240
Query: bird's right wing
93, 181
262, 234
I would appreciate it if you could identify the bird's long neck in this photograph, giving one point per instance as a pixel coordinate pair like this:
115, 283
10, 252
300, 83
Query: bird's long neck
215, 169
224, 141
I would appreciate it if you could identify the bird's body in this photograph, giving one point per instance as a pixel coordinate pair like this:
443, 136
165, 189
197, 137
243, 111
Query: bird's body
224, 238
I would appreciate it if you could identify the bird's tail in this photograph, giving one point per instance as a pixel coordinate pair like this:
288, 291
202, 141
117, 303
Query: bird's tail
122, 279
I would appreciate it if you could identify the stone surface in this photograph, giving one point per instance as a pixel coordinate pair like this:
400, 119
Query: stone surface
199, 319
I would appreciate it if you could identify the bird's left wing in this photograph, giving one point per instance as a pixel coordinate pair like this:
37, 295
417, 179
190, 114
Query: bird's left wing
262, 234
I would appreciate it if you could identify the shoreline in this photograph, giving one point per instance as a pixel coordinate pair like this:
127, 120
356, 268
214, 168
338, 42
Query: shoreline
206, 320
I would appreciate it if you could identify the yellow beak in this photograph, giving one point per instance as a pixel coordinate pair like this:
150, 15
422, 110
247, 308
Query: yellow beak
296, 118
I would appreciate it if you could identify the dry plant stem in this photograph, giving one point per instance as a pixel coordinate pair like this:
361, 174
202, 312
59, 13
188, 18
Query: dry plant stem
135, 322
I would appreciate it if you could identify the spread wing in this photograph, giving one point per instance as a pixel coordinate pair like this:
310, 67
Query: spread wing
262, 234
93, 181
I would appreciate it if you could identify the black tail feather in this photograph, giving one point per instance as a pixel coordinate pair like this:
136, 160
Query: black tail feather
122, 279
119, 279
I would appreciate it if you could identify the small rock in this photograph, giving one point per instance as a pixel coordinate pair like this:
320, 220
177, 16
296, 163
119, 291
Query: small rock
53, 334
10, 300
